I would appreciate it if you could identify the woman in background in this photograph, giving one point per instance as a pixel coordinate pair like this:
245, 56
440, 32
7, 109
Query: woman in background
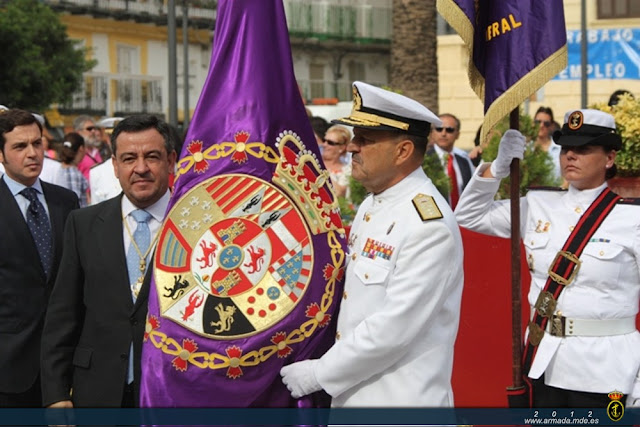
544, 122
71, 153
334, 148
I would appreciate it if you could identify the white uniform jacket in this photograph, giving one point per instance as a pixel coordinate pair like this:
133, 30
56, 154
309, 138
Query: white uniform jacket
103, 182
400, 310
607, 285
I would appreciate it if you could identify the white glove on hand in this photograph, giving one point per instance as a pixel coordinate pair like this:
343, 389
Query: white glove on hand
633, 398
300, 378
511, 147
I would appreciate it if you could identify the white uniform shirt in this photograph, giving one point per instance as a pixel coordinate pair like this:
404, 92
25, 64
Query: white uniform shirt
607, 285
103, 182
399, 315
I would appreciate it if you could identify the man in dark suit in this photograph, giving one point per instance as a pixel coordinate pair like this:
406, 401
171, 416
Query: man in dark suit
32, 216
96, 317
456, 162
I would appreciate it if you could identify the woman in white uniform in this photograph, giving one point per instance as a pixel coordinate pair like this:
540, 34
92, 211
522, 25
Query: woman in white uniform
583, 250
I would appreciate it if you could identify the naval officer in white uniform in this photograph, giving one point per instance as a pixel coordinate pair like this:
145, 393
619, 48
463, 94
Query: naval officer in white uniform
590, 346
399, 315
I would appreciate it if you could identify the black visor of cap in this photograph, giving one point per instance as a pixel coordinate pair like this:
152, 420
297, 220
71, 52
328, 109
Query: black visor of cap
587, 135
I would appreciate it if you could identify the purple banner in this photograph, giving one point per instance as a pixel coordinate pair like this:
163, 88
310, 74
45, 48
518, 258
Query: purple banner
249, 265
516, 46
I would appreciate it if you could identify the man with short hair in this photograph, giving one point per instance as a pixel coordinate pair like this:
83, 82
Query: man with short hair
86, 126
96, 317
32, 217
399, 315
456, 162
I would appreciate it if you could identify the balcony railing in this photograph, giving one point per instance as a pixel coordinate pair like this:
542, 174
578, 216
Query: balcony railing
109, 94
328, 89
340, 20
365, 22
143, 11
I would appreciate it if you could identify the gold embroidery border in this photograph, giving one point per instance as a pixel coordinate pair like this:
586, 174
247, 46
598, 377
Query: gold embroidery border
226, 149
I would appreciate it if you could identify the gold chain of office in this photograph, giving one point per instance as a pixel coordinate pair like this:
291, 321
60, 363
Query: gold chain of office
204, 360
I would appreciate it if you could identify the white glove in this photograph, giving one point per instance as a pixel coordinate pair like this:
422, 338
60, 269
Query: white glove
300, 378
633, 398
511, 147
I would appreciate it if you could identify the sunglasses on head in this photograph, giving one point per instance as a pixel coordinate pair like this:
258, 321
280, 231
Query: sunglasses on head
330, 142
447, 129
546, 123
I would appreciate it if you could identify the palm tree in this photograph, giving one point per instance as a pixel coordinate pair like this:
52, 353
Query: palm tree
414, 64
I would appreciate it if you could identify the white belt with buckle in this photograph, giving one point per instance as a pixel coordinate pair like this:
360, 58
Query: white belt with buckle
561, 326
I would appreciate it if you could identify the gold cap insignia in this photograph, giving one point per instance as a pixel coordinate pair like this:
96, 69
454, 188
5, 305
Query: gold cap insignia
357, 99
426, 207
575, 120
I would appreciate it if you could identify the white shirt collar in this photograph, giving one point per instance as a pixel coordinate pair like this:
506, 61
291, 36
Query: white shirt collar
585, 197
405, 186
157, 210
15, 187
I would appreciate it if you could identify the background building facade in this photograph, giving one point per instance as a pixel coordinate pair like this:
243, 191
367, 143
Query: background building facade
334, 42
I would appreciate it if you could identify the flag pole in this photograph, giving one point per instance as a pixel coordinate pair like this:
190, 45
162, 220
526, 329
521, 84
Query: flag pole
516, 307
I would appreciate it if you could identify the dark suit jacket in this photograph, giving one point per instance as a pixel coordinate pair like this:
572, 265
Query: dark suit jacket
92, 319
24, 287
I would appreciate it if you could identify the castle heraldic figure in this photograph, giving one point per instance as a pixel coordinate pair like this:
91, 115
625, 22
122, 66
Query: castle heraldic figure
400, 310
583, 250
32, 216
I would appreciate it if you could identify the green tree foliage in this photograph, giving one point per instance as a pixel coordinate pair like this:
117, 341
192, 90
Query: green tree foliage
39, 64
536, 169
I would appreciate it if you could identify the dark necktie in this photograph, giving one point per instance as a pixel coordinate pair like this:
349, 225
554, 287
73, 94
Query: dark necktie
455, 194
40, 228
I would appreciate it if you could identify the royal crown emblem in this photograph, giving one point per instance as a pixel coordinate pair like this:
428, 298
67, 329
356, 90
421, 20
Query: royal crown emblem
300, 176
615, 395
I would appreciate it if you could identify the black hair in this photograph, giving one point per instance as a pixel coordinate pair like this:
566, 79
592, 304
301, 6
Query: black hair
615, 96
13, 118
142, 122
69, 148
319, 126
545, 110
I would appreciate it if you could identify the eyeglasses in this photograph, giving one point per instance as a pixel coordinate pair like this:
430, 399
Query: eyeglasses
330, 142
90, 128
447, 129
546, 123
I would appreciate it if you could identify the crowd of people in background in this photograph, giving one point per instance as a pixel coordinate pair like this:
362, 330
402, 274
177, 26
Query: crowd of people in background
92, 158
67, 290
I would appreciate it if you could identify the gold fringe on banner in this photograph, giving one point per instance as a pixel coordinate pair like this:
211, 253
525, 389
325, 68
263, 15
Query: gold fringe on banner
523, 88
519, 91
452, 13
